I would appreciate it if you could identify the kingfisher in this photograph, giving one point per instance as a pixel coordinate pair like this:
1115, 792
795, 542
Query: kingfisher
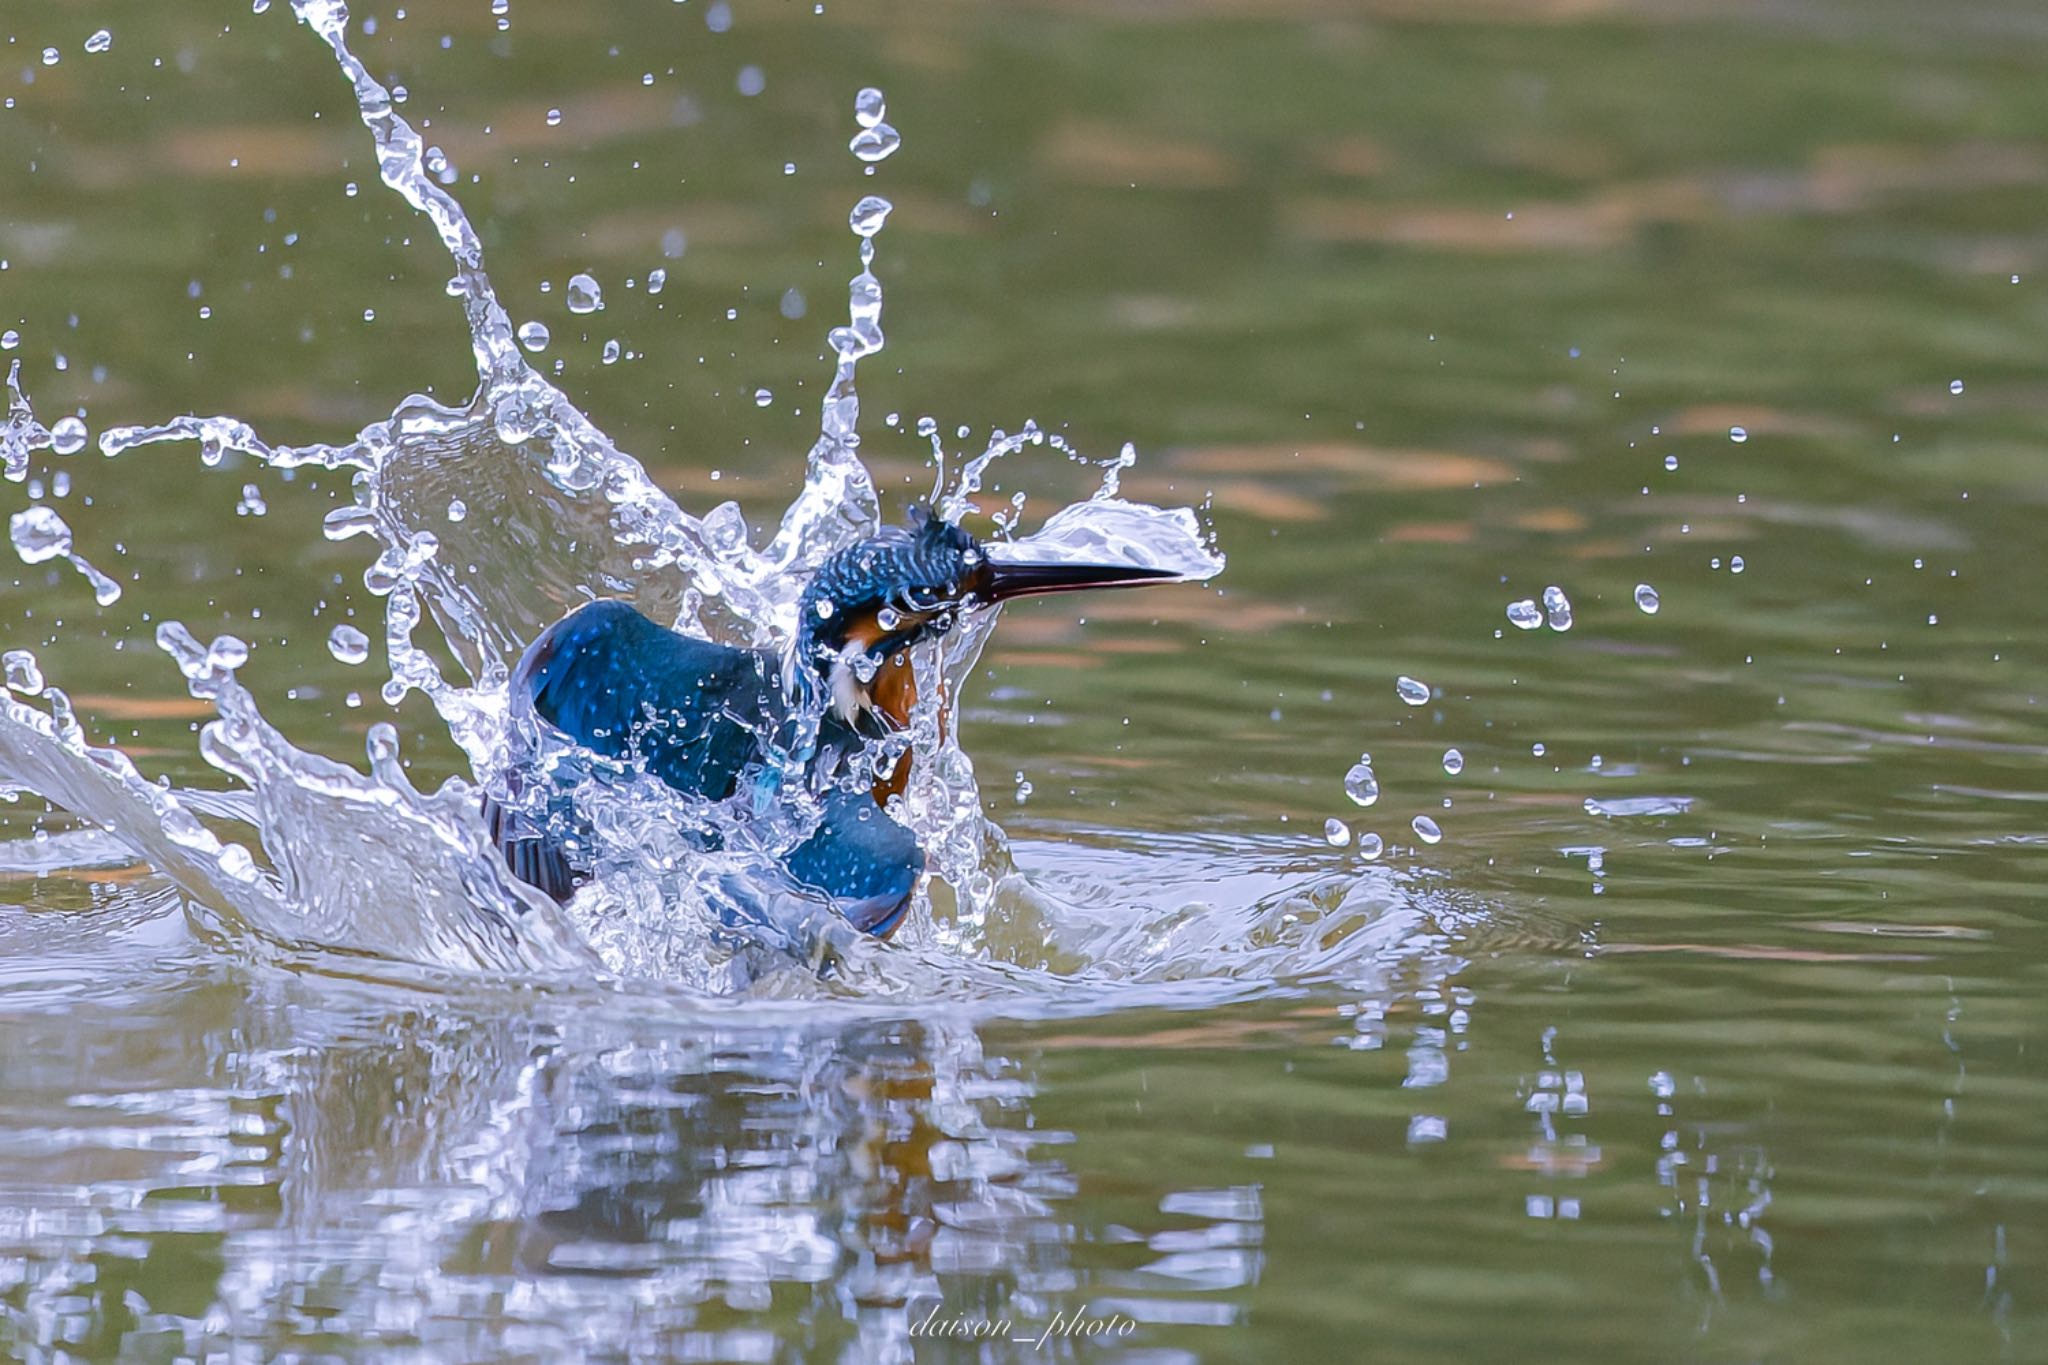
712, 721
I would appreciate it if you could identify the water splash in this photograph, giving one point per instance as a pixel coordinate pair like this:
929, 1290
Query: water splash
363, 864
39, 534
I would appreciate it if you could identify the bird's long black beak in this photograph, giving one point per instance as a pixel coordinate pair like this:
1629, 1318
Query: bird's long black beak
1003, 580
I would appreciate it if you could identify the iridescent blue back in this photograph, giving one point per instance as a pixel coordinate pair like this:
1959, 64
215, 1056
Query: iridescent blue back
695, 713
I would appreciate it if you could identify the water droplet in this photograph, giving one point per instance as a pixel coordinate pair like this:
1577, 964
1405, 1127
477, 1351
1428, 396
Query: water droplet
1537, 748
1735, 565
554, 118
792, 305
869, 215
875, 144
1738, 434
1024, 789
251, 503
1411, 691
348, 644
1525, 614
100, 41
1426, 829
1337, 832
227, 652
457, 509
762, 398
750, 81
869, 107
50, 56
610, 354
824, 609
67, 436
510, 419
1370, 846
1646, 598
1955, 386
533, 336
1558, 606
1671, 462
1361, 785
725, 530
1454, 762
22, 672
657, 280
584, 296
39, 534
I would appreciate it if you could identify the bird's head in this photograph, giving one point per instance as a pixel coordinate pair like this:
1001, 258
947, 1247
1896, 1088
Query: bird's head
869, 604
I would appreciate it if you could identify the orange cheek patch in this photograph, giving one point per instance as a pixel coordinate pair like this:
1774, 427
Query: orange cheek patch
894, 693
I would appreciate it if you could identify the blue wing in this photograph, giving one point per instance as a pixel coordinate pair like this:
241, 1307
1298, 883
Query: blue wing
865, 861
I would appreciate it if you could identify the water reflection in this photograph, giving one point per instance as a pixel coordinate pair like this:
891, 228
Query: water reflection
286, 1173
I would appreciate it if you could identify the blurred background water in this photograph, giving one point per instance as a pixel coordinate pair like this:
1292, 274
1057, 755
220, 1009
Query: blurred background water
1711, 1028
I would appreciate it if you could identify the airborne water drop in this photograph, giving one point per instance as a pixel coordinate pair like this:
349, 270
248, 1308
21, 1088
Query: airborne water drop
348, 644
584, 295
1558, 607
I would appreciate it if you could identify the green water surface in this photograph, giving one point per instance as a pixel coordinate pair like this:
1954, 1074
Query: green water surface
1420, 300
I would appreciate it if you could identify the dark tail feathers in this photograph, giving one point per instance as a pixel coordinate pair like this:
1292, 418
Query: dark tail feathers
534, 858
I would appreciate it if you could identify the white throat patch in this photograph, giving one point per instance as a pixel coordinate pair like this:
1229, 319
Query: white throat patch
850, 695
